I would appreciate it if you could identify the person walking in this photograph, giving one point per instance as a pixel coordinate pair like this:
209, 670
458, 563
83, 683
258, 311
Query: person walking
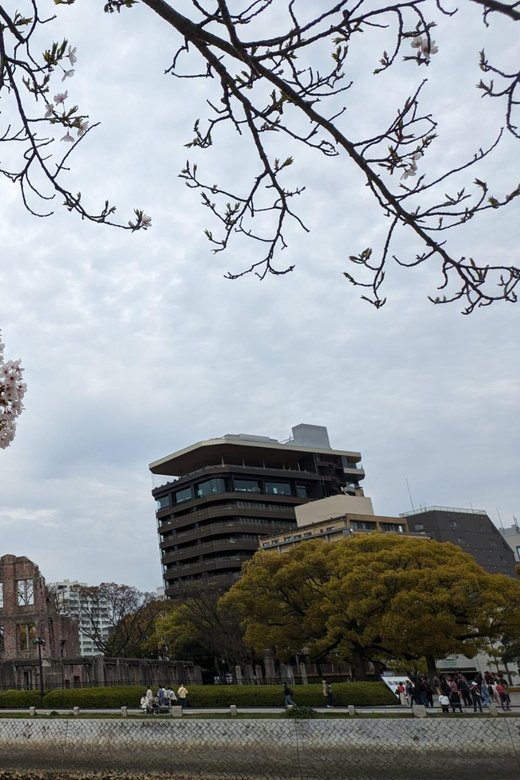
327, 693
182, 695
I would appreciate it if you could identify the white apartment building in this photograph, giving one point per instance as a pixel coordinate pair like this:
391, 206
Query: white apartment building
72, 602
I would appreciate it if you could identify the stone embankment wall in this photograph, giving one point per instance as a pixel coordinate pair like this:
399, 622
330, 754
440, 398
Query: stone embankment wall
364, 749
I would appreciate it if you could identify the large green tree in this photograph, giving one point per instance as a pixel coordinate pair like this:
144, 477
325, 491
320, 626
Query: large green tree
203, 630
373, 597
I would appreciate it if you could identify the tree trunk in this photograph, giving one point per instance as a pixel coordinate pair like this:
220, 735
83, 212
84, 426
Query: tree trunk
432, 668
358, 665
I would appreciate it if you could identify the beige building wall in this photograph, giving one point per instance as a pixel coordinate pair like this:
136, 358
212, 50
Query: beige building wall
333, 506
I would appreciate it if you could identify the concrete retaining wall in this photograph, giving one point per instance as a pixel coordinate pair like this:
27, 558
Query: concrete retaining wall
371, 749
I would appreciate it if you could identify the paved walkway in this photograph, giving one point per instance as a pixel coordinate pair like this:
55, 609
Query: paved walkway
395, 708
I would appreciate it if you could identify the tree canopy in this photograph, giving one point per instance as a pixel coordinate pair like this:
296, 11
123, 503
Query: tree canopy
374, 597
203, 630
279, 76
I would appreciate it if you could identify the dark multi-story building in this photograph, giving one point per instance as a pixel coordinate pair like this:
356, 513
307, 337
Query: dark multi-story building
218, 497
470, 529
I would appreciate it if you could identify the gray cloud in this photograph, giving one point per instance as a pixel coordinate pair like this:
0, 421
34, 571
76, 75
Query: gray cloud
135, 345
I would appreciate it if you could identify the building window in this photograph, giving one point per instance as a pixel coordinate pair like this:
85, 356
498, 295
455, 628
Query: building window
210, 487
25, 633
302, 491
1, 594
246, 486
278, 488
162, 503
1, 639
361, 525
418, 527
182, 495
395, 527
25, 593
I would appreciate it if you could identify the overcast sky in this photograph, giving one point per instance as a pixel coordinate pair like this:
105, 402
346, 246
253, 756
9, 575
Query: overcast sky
134, 345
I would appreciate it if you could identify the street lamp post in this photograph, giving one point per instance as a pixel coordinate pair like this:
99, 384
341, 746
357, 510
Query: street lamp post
40, 643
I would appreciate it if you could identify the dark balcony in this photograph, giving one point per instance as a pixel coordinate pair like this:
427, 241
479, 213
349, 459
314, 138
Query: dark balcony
257, 526
233, 546
210, 565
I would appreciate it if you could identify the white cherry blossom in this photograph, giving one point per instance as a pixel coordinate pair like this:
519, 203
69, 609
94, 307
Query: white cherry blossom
71, 54
61, 97
68, 138
67, 74
12, 391
83, 127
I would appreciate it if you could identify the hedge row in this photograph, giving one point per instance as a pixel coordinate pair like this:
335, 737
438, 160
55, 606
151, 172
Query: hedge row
359, 694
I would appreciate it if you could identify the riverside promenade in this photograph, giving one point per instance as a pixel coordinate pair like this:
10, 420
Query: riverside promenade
436, 747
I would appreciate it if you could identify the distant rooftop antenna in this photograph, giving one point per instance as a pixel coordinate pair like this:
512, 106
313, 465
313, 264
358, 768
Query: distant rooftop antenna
409, 493
500, 519
515, 523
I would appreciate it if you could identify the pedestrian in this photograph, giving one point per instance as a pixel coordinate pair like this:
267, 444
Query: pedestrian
171, 698
464, 690
161, 696
327, 693
149, 698
485, 693
455, 700
401, 692
505, 699
182, 693
429, 693
476, 697
444, 702
287, 696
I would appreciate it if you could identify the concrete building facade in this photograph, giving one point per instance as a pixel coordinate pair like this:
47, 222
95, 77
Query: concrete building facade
217, 498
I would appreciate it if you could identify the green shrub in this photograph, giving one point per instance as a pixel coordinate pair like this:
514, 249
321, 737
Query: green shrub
94, 698
19, 699
359, 694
